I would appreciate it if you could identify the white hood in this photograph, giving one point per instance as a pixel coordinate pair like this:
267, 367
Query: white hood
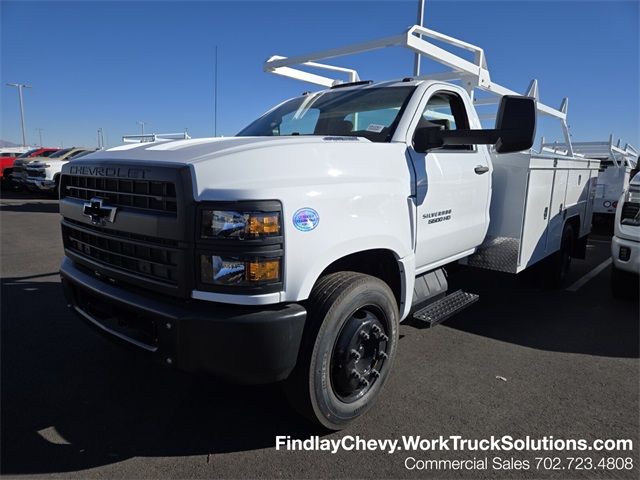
269, 167
201, 149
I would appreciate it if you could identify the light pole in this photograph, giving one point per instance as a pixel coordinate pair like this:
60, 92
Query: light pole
215, 96
20, 86
416, 61
142, 124
39, 130
100, 139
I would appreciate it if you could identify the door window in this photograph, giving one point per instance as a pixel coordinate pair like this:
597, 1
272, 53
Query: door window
446, 111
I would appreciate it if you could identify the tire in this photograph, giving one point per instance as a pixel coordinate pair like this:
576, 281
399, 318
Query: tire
55, 191
559, 263
624, 285
347, 349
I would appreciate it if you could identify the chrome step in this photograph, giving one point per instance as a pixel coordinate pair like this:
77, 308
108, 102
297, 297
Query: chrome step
439, 311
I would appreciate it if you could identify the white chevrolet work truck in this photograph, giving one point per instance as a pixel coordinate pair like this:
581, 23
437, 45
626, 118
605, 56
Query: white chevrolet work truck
292, 251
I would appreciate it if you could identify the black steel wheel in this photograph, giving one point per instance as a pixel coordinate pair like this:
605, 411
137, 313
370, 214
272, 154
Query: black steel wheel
359, 354
347, 350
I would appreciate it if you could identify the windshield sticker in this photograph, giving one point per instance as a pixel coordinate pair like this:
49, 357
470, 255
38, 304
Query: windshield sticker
374, 127
306, 219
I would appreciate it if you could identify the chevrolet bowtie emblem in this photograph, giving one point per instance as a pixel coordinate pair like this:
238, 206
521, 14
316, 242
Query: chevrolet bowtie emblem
99, 213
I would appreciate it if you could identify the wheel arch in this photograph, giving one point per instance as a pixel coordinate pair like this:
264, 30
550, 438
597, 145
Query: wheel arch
382, 263
574, 221
579, 244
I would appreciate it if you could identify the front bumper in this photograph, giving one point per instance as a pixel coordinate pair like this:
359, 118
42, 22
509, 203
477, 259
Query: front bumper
40, 183
18, 178
626, 254
249, 345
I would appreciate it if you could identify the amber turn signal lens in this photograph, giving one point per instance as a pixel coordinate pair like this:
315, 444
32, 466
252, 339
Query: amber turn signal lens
260, 271
264, 224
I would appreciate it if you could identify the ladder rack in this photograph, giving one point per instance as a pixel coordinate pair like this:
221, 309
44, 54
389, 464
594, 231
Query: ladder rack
621, 157
155, 137
472, 75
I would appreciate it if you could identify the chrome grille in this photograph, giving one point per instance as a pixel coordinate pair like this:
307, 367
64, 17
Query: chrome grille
36, 173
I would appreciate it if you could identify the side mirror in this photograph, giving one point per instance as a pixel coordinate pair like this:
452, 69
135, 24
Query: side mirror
515, 129
515, 124
427, 137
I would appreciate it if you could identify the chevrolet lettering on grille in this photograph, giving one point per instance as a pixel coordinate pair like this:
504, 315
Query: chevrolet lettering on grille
98, 212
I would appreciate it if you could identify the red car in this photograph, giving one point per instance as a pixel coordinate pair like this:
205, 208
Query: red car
6, 162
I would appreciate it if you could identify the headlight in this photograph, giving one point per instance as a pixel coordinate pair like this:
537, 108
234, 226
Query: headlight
226, 270
240, 246
630, 214
239, 225
633, 195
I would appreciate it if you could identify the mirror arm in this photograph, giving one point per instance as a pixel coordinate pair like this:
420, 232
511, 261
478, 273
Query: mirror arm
468, 137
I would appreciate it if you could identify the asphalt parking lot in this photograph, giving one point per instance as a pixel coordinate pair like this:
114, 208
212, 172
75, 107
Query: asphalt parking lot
523, 361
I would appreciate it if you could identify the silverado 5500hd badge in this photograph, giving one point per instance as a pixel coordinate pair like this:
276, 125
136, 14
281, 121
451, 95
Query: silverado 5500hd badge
439, 216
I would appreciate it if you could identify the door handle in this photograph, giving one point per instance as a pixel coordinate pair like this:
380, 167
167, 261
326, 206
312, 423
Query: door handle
480, 169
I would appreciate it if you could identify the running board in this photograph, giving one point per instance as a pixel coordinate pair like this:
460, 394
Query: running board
437, 312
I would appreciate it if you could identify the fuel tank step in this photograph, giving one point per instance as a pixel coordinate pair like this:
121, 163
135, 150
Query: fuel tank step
437, 312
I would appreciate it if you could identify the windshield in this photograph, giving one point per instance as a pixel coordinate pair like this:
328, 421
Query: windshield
29, 153
81, 153
372, 113
60, 153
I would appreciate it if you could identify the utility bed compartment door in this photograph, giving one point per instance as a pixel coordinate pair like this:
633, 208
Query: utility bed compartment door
557, 211
537, 213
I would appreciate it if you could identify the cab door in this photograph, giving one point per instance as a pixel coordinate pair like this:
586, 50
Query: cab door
453, 184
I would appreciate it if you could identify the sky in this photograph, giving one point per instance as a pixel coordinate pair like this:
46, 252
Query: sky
111, 64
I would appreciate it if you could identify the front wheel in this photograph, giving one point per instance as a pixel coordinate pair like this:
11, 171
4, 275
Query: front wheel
347, 351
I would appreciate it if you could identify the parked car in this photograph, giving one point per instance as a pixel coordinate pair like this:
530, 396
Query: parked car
625, 245
44, 174
9, 162
19, 174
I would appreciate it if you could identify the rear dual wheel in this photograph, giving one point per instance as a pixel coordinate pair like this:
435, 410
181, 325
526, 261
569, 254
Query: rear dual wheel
558, 264
347, 350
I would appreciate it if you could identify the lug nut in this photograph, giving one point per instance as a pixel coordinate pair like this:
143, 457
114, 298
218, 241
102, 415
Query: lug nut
364, 336
384, 338
376, 329
364, 382
355, 374
382, 356
169, 361
355, 355
375, 373
168, 325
